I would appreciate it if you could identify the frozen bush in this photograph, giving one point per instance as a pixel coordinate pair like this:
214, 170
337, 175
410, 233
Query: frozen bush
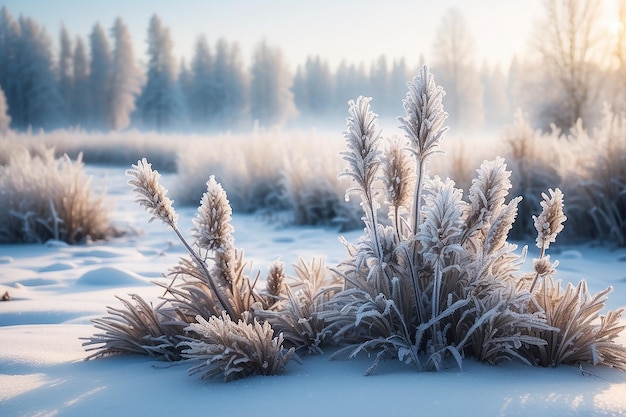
442, 281
235, 349
578, 333
595, 179
111, 148
535, 165
43, 197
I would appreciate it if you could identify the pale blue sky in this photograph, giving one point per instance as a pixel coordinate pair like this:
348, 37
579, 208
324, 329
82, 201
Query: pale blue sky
355, 30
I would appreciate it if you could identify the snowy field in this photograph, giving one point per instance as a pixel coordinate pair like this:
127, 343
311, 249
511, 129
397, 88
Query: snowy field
56, 289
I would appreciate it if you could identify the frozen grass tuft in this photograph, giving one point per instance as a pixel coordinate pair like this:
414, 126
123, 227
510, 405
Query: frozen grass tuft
235, 349
43, 197
107, 148
288, 175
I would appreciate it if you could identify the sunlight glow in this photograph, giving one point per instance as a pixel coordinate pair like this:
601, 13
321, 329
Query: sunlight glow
614, 26
14, 385
613, 399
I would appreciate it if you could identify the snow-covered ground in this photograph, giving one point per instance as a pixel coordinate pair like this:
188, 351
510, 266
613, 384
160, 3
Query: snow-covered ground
56, 289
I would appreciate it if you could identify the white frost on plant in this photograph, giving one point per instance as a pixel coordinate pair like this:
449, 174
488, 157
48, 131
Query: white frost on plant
550, 222
425, 116
212, 228
150, 194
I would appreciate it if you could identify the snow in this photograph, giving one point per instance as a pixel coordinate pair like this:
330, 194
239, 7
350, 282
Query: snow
56, 289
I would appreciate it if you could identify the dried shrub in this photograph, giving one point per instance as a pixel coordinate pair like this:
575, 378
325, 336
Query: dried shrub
43, 198
235, 349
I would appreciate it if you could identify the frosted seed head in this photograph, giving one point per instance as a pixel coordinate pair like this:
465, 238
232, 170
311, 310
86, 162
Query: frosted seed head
150, 194
550, 222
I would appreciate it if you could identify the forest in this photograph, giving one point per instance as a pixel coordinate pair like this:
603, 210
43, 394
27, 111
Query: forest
571, 69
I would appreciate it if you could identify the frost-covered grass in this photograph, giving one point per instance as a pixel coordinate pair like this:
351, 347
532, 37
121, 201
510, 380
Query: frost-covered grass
111, 148
291, 175
56, 290
43, 197
277, 173
432, 281
590, 167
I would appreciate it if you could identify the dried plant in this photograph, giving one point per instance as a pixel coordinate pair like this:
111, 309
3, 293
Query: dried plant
441, 281
595, 179
301, 317
579, 333
275, 284
138, 328
43, 198
397, 297
202, 291
433, 279
235, 349
210, 282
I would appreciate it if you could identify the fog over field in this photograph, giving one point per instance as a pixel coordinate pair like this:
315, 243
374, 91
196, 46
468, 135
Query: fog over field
324, 208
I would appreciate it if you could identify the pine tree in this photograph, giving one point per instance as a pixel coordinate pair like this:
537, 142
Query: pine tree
319, 86
271, 99
230, 85
9, 37
160, 104
99, 77
38, 102
125, 81
65, 72
202, 99
379, 82
5, 119
351, 82
81, 94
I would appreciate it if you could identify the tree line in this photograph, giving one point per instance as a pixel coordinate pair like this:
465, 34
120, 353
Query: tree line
98, 84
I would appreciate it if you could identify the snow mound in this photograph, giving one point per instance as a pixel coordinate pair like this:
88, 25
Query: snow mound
103, 253
6, 260
58, 266
52, 243
571, 254
111, 277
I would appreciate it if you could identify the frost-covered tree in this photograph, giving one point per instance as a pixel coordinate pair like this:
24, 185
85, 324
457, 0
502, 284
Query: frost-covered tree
514, 83
37, 102
125, 81
565, 85
231, 84
313, 87
351, 81
185, 88
496, 102
160, 102
379, 82
454, 51
271, 99
80, 102
5, 119
65, 71
202, 98
9, 37
99, 77
398, 77
618, 86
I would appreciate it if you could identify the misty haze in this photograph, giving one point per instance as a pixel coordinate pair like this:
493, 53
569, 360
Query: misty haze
430, 195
